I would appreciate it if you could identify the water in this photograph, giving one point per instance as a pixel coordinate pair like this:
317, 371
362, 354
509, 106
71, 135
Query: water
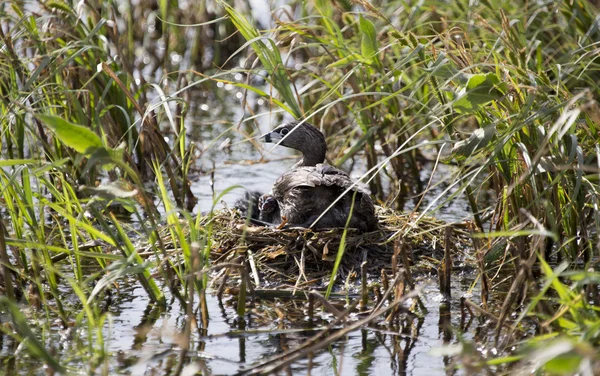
382, 350
222, 349
146, 341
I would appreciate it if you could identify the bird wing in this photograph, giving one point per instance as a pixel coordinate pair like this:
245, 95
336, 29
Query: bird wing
313, 176
296, 189
331, 176
296, 177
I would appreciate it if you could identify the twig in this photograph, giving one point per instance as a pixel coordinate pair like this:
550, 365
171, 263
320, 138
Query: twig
328, 306
253, 267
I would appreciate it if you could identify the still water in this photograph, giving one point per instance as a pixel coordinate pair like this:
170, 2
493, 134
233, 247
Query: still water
143, 340
150, 345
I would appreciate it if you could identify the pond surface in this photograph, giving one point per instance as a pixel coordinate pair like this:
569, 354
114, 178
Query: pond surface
151, 346
226, 349
144, 340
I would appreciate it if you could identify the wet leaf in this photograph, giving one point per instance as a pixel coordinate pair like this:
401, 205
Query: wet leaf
109, 191
368, 44
115, 271
448, 350
75, 136
481, 89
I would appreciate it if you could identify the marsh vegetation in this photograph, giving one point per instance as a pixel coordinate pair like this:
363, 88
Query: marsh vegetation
128, 130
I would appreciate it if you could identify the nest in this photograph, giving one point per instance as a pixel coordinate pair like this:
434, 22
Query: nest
304, 257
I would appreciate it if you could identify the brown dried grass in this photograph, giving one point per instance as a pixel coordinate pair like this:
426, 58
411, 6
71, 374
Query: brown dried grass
304, 257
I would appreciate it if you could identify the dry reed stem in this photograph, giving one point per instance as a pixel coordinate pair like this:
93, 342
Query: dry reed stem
300, 257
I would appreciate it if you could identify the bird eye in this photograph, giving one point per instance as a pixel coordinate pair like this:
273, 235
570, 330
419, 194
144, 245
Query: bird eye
284, 131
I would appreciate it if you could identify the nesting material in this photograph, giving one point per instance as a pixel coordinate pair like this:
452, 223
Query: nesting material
303, 257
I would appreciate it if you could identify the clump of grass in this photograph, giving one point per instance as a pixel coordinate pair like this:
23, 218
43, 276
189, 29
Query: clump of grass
296, 255
79, 143
506, 94
510, 98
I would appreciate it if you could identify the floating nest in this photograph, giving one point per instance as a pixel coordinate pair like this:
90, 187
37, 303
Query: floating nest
304, 257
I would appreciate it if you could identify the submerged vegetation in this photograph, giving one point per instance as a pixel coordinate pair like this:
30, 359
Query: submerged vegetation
98, 162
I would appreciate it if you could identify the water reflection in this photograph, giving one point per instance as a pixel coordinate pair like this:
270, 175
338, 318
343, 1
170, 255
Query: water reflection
229, 345
148, 340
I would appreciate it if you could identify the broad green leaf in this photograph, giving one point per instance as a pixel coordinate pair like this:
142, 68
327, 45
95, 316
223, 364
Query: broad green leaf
481, 89
368, 44
567, 324
557, 357
75, 136
565, 364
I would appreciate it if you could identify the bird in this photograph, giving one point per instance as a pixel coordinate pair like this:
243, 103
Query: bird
268, 210
305, 193
248, 205
260, 209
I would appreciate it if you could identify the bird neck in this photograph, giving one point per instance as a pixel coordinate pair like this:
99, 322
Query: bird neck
312, 155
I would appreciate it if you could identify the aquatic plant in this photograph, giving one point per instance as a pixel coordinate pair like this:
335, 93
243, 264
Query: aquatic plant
509, 97
96, 162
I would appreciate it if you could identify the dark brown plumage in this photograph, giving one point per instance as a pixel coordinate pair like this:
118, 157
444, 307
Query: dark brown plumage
311, 187
248, 205
261, 210
268, 209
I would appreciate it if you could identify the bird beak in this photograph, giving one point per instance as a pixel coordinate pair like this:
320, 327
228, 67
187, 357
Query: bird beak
272, 137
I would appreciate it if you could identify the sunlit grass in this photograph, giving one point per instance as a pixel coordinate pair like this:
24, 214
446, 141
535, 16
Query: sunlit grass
507, 93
